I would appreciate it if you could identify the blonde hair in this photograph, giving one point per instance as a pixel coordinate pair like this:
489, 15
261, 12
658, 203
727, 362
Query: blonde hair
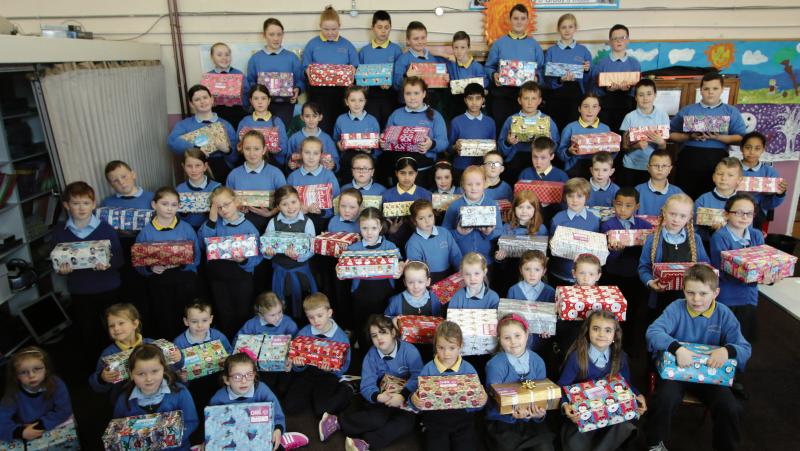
566, 17
473, 258
535, 222
681, 197
329, 14
415, 265
577, 185
316, 301
588, 259
472, 169
730, 163
267, 301
220, 190
449, 331
125, 310
218, 44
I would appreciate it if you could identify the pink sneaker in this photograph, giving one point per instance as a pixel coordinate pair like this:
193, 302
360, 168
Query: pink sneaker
355, 444
328, 426
292, 440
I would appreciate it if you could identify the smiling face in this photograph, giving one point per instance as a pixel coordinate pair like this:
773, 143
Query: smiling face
417, 281
567, 30
348, 207
273, 36
711, 92
519, 22
384, 340
221, 56
240, 378
80, 208
513, 338
473, 184
425, 219
122, 328
311, 118
699, 295
289, 206
461, 50
447, 351
624, 206
31, 372
601, 332
123, 180
147, 375
253, 150
474, 275
406, 178
443, 178
676, 215
741, 215
414, 95
166, 207
227, 206
194, 168
529, 101
311, 155
586, 274
726, 179
524, 212
370, 230
752, 149
260, 102
381, 30
272, 316
645, 96
198, 321
417, 40
202, 102
355, 102
589, 109
330, 29
320, 318
532, 272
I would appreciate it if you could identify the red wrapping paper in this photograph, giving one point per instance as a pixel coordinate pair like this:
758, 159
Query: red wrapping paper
331, 74
320, 195
163, 253
418, 328
671, 274
272, 137
434, 74
547, 192
225, 88
575, 302
447, 287
333, 244
319, 352
403, 139
590, 143
360, 141
628, 238
759, 184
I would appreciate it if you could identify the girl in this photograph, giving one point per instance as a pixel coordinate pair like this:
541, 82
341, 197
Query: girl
256, 175
674, 240
221, 58
431, 244
473, 239
153, 388
311, 116
578, 165
198, 180
417, 299
382, 421
476, 293
274, 58
231, 281
220, 153
449, 429
355, 120
596, 354
524, 428
349, 206
406, 190
169, 288
262, 118
753, 146
443, 177
586, 271
35, 399
313, 172
363, 168
564, 92
329, 48
532, 267
526, 219
292, 278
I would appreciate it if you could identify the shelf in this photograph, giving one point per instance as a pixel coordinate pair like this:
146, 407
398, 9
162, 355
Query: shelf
28, 157
38, 236
28, 113
36, 196
11, 250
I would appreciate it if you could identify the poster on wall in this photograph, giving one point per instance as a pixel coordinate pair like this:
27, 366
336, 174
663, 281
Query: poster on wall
559, 4
780, 123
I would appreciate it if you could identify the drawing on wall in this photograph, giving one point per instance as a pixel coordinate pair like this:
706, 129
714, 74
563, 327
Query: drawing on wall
780, 124
770, 72
559, 4
496, 22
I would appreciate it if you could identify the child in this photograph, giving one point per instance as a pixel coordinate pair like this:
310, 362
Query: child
417, 299
463, 65
35, 400
657, 190
381, 100
443, 177
291, 278
356, 120
448, 429
127, 194
578, 165
753, 145
596, 354
274, 58
153, 388
417, 52
312, 116
231, 281
363, 168
603, 189
262, 118
727, 176
586, 272
269, 318
697, 319
674, 240
473, 239
405, 170
221, 155
382, 421
221, 58
476, 293
313, 172
496, 189
532, 267
615, 100
633, 170
349, 206
577, 216
524, 428
526, 218
198, 180
329, 48
542, 169
563, 93
431, 244
516, 45
701, 152
472, 124
514, 150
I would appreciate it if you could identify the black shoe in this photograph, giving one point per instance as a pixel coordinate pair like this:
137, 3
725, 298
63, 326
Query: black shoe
738, 390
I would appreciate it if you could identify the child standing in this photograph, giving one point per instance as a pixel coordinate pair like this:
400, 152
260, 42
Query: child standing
616, 100
586, 272
577, 216
262, 118
727, 176
588, 122
311, 115
406, 190
363, 168
636, 155
314, 172
198, 180
476, 293
472, 124
356, 120
657, 190
417, 52
532, 267
463, 66
381, 100
473, 239
753, 145
443, 178
127, 194
496, 188
221, 58
197, 318
542, 169
603, 189
431, 244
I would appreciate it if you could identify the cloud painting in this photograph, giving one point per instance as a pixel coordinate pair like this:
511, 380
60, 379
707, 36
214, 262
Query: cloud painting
752, 58
643, 55
678, 55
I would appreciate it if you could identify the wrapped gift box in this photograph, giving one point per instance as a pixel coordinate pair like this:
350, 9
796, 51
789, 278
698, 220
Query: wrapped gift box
274, 351
670, 275
204, 359
320, 195
243, 427
478, 215
759, 184
225, 88
418, 328
709, 217
516, 72
62, 438
516, 245
280, 242
249, 344
374, 74
476, 147
164, 253
590, 143
608, 78
366, 202
478, 327
698, 372
361, 141
119, 361
569, 243
458, 86
442, 201
575, 302
231, 247
434, 74
333, 244
279, 84
541, 316
128, 219
272, 137
652, 219
254, 198
397, 209
394, 384
642, 133
709, 124
331, 74
547, 192
462, 391
753, 264
205, 137
544, 394
628, 238
505, 209
81, 254
526, 129
319, 352
447, 287
604, 213
552, 69
148, 432
402, 138
368, 264
194, 202
325, 158
602, 402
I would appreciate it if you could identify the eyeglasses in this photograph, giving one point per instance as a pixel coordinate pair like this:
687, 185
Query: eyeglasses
619, 39
362, 169
238, 377
493, 164
660, 166
742, 214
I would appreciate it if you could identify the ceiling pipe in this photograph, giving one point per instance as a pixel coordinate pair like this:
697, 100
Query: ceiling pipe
177, 54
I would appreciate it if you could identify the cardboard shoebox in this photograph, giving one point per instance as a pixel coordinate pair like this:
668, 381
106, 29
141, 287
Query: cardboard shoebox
602, 403
759, 184
320, 352
698, 372
575, 303
670, 275
204, 359
368, 264
458, 86
279, 84
81, 254
401, 138
516, 72
194, 202
119, 362
127, 219
478, 327
418, 328
330, 74
602, 212
476, 147
360, 141
754, 264
552, 69
272, 137
63, 437
706, 124
569, 243
231, 247
255, 198
526, 129
164, 253
374, 74
447, 287
148, 432
541, 316
544, 394
320, 195
280, 242
516, 245
249, 344
643, 133
225, 88
273, 353
442, 201
333, 244
606, 79
434, 74
205, 137
478, 216
397, 209
547, 192
709, 217
590, 143
243, 427
462, 391
628, 238
366, 202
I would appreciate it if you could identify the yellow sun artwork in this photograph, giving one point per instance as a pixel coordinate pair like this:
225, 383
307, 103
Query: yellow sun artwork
721, 56
495, 18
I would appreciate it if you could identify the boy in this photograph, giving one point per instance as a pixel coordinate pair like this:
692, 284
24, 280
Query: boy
702, 151
577, 216
313, 387
753, 146
127, 194
655, 192
496, 189
463, 66
543, 150
363, 167
381, 100
472, 124
269, 318
603, 189
636, 154
727, 176
514, 150
697, 319
616, 100
416, 52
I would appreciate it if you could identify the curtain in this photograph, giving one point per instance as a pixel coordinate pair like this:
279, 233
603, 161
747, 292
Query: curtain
109, 111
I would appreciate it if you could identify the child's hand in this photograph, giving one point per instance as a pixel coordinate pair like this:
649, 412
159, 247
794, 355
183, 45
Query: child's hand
340, 145
486, 231
239, 260
612, 87
64, 268
395, 400
537, 412
656, 286
496, 78
521, 413
158, 269
586, 65
655, 138
512, 139
394, 225
415, 400
615, 246
269, 251
718, 357
293, 165
324, 366
570, 412
412, 73
463, 230
328, 164
109, 376
544, 335
383, 397
625, 86
573, 149
394, 321
31, 432
717, 225
642, 405
782, 187
426, 145
386, 87
287, 366
500, 255
276, 439
457, 147
400, 267
298, 361
641, 145
175, 355
223, 146
261, 211
101, 267
685, 356
313, 209
569, 76
291, 253
296, 92
714, 136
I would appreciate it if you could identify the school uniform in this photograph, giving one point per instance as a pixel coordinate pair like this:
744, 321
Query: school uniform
220, 162
141, 199
518, 156
438, 97
500, 191
602, 196
651, 199
561, 268
263, 177
437, 249
452, 190
614, 105
269, 120
330, 98
716, 326
319, 176
259, 392
467, 126
562, 98
486, 298
372, 188
540, 292
711, 199
280, 60
633, 169
45, 410
100, 386
437, 133
765, 201
295, 146
506, 272
475, 240
185, 340
257, 326
397, 194
207, 186
380, 101
405, 304
348, 123
551, 174
578, 165
459, 71
337, 224
204, 387
292, 279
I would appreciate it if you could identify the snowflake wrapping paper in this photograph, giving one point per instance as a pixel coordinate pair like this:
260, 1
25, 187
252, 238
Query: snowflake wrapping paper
476, 147
602, 403
255, 198
516, 72
204, 359
194, 202
608, 78
759, 184
780, 124
552, 69
642, 133
81, 254
447, 287
434, 74
279, 84
319, 352
526, 129
418, 329
368, 264
231, 247
272, 137
547, 192
708, 124
225, 88
516, 245
462, 391
333, 244
543, 393
360, 141
457, 86
541, 316
478, 327
280, 242
127, 219
575, 303
478, 216
754, 264
699, 371
569, 243
400, 138
330, 74
670, 275
243, 427
164, 253
320, 195
628, 238
590, 143
149, 432
273, 353
442, 201
205, 137
374, 74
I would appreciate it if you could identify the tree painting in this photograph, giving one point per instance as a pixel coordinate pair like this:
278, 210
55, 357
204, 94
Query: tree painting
784, 58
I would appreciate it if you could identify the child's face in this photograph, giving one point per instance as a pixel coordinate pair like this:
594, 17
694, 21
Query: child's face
541, 159
320, 318
447, 351
221, 56
699, 295
121, 328
589, 109
443, 178
370, 230
227, 207
529, 101
586, 274
147, 375
311, 155
198, 321
260, 102
567, 30
355, 102
123, 180
416, 282
31, 372
513, 339
601, 172
474, 103
414, 96
752, 149
677, 215
273, 315
741, 215
384, 340
417, 40
253, 151
80, 207
406, 177
493, 166
425, 220
348, 207
310, 118
618, 41
194, 168
519, 22
474, 274
624, 206
202, 102
532, 272
645, 96
576, 201
711, 92
381, 30
601, 332
362, 170
524, 212
167, 206
726, 179
240, 378
473, 184
273, 35
659, 168
461, 50
289, 206
330, 29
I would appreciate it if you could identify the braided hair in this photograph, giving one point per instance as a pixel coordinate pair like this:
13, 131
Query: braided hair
681, 197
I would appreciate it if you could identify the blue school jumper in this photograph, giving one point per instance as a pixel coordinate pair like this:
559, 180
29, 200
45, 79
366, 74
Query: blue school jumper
184, 340
552, 174
177, 400
639, 158
419, 118
466, 126
319, 176
379, 54
190, 124
606, 64
320, 51
765, 201
500, 370
646, 265
98, 385
26, 408
486, 299
472, 69
182, 231
281, 60
257, 326
265, 177
338, 336
89, 281
508, 48
337, 224
732, 291
475, 240
570, 373
284, 266
383, 245
223, 228
521, 230
438, 250
399, 305
624, 262
394, 194
365, 123
578, 127
508, 150
461, 368
261, 393
372, 189
252, 121
296, 146
404, 60
523, 291
405, 364
196, 219
651, 201
501, 191
141, 199
735, 127
583, 220
602, 196
573, 53
711, 199
452, 190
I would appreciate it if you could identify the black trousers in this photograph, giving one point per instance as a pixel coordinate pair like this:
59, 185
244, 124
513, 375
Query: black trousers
370, 297
283, 110
219, 167
694, 169
318, 390
88, 315
748, 321
232, 292
613, 108
378, 424
169, 293
381, 103
503, 103
609, 438
449, 430
562, 104
331, 103
528, 436
628, 177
